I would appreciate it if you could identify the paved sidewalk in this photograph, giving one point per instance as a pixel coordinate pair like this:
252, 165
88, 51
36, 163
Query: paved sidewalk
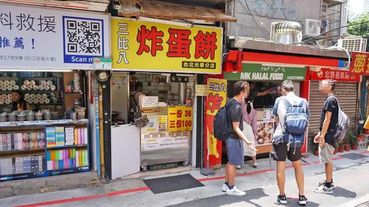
351, 177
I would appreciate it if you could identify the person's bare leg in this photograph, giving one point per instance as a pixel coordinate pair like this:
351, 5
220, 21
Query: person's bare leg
232, 175
329, 172
226, 173
253, 160
281, 178
299, 175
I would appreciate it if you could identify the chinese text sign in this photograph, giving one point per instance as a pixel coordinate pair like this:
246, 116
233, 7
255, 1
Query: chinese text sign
150, 46
41, 38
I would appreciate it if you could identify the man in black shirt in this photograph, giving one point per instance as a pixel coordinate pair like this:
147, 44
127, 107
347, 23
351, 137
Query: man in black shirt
325, 138
236, 136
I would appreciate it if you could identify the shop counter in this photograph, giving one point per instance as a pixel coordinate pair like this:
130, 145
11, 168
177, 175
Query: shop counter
166, 137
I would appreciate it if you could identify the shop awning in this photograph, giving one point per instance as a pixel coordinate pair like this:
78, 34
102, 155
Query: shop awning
303, 50
171, 11
87, 5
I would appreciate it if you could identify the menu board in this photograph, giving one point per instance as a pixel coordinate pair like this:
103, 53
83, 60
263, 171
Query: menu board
179, 118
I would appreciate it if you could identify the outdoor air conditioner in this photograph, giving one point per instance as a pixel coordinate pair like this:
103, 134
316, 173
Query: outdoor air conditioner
311, 28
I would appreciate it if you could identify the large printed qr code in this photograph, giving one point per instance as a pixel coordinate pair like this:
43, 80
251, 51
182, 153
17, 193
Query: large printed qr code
83, 37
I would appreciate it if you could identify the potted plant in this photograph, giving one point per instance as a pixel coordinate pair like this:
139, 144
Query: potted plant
353, 141
340, 147
346, 144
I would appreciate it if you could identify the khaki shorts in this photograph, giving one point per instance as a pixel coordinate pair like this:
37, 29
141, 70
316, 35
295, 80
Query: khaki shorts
326, 153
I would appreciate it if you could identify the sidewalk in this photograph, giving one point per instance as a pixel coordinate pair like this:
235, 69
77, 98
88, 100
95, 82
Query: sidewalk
351, 178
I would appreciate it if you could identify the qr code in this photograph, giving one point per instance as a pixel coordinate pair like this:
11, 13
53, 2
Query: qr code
83, 36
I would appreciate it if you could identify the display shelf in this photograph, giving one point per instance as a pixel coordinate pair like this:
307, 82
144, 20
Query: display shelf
9, 153
68, 171
43, 123
67, 146
23, 176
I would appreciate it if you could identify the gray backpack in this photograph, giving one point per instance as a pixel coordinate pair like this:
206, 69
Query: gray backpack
343, 124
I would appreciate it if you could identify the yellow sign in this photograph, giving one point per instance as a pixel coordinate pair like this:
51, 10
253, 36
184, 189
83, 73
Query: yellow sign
216, 98
216, 95
150, 46
179, 118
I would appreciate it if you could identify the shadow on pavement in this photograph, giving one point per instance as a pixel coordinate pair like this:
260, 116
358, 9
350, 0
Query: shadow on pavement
341, 192
224, 200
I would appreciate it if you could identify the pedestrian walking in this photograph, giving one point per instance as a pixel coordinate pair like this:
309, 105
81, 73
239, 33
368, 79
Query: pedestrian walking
249, 128
291, 113
325, 138
235, 138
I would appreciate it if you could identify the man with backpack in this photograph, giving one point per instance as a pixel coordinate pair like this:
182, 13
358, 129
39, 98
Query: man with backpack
292, 115
328, 132
228, 126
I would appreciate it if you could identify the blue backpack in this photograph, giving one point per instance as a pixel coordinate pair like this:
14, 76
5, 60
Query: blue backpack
296, 120
221, 129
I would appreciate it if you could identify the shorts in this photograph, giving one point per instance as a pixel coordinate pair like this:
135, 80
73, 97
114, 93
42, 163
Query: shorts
326, 153
281, 153
235, 151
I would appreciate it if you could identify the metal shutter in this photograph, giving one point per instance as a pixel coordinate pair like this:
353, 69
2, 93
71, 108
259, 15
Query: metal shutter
347, 94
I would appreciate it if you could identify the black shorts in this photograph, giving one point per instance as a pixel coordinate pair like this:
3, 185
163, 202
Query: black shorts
281, 153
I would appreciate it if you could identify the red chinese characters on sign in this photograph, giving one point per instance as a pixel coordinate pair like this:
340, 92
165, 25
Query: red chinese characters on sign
360, 63
338, 75
152, 35
179, 43
205, 45
214, 102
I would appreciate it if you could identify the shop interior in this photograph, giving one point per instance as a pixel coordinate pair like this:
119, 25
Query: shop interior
156, 110
43, 121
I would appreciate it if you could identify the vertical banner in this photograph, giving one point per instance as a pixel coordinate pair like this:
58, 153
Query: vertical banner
215, 99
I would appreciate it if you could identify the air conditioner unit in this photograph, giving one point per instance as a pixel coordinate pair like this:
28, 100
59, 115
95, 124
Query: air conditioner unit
311, 28
354, 44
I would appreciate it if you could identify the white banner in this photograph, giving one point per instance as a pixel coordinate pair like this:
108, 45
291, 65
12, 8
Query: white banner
44, 38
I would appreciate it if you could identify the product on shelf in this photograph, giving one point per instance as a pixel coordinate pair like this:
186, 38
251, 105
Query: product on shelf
59, 136
6, 166
22, 141
82, 158
80, 136
69, 135
20, 165
50, 136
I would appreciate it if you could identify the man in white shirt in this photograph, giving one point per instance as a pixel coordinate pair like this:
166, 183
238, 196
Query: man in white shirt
282, 142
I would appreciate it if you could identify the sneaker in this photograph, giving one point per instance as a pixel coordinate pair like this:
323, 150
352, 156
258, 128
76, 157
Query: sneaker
282, 199
254, 165
234, 191
302, 200
238, 167
224, 187
332, 184
324, 189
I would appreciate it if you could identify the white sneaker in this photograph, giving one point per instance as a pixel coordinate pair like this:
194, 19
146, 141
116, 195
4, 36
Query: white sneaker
234, 191
224, 187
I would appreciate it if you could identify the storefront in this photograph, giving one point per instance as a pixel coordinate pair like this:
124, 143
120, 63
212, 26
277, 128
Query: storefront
156, 65
347, 93
265, 67
47, 106
265, 80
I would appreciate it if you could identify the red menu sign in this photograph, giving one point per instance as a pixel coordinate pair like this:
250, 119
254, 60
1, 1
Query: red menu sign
359, 63
339, 75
